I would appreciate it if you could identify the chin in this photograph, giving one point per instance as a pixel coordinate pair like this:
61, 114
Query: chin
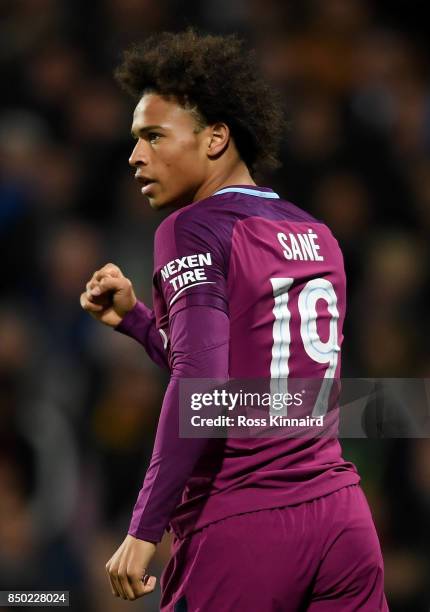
158, 203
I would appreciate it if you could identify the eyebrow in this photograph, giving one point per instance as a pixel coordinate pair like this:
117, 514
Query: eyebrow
145, 130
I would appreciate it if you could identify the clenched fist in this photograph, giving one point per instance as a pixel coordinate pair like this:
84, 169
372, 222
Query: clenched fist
109, 295
127, 569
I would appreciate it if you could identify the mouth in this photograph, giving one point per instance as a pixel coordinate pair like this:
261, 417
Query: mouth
147, 184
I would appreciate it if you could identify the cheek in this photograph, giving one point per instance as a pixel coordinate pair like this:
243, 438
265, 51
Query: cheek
185, 162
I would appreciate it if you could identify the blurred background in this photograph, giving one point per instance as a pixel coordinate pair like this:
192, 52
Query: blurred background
79, 402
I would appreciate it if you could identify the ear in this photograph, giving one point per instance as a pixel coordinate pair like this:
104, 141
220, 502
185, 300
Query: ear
218, 139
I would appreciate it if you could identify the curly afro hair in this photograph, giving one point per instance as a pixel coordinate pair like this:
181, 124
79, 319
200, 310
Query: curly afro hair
217, 76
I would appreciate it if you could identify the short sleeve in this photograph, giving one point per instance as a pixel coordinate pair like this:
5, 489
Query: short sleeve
197, 275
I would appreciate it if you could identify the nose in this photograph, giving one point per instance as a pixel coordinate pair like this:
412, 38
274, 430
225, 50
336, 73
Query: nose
138, 156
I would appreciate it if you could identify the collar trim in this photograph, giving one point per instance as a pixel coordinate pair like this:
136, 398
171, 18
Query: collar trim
249, 191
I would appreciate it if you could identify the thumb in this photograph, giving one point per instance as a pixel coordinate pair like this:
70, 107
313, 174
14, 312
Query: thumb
111, 283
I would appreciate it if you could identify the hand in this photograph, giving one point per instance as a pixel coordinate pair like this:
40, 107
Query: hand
127, 568
109, 295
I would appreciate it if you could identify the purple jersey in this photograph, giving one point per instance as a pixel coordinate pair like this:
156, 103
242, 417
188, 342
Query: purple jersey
277, 274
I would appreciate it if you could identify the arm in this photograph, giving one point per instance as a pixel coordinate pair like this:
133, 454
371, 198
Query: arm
139, 323
199, 348
199, 336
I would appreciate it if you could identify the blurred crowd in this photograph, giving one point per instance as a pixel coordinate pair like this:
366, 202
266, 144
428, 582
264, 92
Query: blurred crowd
79, 402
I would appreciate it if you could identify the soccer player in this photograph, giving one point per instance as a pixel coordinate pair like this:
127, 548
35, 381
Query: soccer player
246, 285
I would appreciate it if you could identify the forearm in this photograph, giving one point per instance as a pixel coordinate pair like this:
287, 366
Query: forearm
174, 458
172, 462
139, 323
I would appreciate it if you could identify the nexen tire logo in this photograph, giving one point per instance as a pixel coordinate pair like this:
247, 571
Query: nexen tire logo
195, 273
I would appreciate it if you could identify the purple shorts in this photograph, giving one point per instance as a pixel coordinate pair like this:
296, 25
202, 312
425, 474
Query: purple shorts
319, 556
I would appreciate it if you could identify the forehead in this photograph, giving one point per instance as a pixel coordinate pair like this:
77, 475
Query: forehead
153, 109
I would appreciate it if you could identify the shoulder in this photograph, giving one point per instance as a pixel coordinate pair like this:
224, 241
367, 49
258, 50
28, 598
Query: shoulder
203, 223
211, 221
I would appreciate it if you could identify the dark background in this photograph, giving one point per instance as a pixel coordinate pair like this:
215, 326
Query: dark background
79, 402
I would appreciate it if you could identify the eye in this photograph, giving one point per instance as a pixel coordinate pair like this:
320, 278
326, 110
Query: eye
153, 137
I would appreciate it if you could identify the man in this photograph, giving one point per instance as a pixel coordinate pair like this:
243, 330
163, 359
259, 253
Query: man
246, 286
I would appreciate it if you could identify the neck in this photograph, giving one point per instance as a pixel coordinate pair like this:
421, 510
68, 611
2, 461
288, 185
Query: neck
238, 175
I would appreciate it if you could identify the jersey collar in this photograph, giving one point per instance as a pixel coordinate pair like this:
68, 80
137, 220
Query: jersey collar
259, 192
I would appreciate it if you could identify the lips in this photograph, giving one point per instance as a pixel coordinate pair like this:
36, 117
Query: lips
146, 181
143, 179
147, 188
